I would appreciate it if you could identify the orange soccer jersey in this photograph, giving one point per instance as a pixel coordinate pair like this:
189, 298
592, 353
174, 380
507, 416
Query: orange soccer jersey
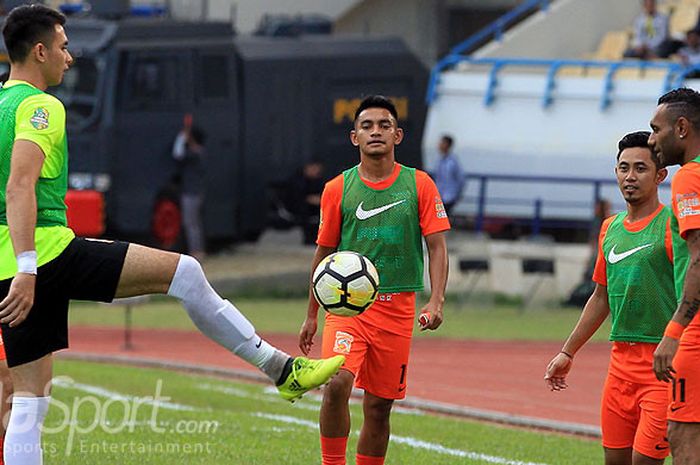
634, 402
429, 204
685, 193
376, 343
600, 272
683, 394
398, 319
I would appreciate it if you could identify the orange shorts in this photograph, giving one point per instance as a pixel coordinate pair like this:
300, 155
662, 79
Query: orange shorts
376, 356
634, 415
683, 392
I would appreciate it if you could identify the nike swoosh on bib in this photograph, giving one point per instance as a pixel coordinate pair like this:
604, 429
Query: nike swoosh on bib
362, 214
615, 257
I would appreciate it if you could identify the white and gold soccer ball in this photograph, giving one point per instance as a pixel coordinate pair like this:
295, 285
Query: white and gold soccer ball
345, 283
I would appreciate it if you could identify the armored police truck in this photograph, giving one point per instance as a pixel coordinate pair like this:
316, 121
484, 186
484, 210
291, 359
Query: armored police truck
267, 105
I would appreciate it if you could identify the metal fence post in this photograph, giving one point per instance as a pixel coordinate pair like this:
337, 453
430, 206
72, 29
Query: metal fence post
537, 219
481, 205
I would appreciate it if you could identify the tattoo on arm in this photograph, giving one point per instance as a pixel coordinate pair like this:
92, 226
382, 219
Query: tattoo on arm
691, 308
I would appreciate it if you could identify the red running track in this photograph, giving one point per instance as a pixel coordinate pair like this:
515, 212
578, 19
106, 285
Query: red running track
505, 377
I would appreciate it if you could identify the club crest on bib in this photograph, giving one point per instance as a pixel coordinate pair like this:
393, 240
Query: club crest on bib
40, 119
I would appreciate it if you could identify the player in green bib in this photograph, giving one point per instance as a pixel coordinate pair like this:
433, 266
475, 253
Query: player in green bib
383, 210
43, 265
639, 253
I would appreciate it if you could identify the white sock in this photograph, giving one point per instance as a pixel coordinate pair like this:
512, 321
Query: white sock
221, 321
23, 437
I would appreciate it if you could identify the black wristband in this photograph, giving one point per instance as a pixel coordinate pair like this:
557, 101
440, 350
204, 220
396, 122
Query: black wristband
567, 354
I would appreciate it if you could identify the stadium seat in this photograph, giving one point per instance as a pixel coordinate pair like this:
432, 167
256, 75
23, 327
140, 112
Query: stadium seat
682, 19
612, 46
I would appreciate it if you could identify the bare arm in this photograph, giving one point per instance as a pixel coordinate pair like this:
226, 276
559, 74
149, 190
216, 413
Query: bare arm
594, 313
310, 325
437, 270
688, 308
25, 168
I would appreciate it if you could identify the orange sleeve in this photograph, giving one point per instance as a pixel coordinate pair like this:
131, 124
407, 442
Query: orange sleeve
600, 274
433, 217
685, 200
331, 214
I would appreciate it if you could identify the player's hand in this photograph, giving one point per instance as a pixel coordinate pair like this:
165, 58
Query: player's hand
558, 368
434, 312
19, 300
663, 358
306, 335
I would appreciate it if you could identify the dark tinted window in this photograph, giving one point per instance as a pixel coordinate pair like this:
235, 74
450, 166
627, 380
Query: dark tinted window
78, 90
151, 81
215, 76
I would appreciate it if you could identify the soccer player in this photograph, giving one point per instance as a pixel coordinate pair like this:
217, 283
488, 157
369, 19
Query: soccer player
382, 210
676, 138
634, 276
43, 265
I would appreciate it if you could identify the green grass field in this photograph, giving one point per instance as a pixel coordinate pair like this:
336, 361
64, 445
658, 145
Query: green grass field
213, 421
255, 427
498, 322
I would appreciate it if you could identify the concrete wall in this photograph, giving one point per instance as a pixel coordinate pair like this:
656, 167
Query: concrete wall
420, 23
246, 14
505, 276
415, 21
568, 29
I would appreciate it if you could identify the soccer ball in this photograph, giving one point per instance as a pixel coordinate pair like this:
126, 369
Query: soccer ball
345, 283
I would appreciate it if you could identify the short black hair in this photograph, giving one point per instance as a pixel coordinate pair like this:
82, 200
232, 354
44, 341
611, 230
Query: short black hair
638, 139
27, 25
449, 139
683, 102
376, 101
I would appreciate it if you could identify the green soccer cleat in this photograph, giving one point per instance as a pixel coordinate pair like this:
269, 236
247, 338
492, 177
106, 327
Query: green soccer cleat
308, 374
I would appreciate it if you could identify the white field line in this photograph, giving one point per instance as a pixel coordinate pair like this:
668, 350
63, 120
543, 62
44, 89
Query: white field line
240, 393
310, 402
102, 392
412, 442
356, 399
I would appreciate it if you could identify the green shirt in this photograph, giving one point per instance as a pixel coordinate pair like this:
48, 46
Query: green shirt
26, 113
384, 226
640, 279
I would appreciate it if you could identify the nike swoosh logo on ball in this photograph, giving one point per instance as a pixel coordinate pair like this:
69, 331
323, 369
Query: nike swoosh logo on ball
615, 257
363, 214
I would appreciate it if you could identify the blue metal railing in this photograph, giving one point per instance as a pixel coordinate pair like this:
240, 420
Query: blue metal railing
536, 220
675, 73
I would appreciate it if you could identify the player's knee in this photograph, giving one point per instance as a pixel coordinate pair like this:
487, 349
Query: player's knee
5, 382
191, 266
674, 432
339, 387
377, 409
189, 280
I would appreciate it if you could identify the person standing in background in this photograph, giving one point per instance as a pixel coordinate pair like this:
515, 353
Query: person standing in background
448, 174
306, 188
189, 151
650, 34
